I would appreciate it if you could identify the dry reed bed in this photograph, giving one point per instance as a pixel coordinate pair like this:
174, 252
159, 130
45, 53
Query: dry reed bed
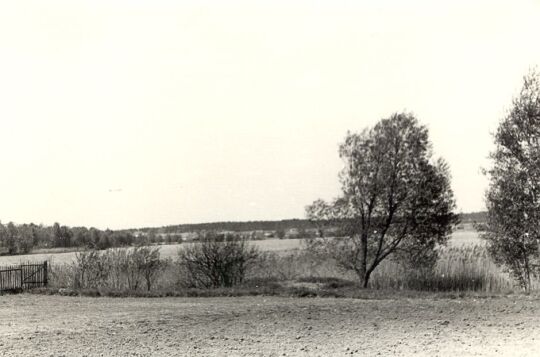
460, 268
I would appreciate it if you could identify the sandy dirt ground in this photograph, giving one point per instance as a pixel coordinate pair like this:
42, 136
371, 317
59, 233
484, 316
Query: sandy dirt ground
32, 325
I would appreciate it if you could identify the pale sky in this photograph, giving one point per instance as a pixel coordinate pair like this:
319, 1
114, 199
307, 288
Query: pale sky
146, 113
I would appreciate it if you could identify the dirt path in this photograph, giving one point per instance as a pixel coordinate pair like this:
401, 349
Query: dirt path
258, 326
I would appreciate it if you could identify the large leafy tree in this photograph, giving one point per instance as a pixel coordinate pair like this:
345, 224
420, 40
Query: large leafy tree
513, 197
396, 200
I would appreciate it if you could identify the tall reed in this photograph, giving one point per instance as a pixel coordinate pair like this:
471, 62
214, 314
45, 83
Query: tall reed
459, 268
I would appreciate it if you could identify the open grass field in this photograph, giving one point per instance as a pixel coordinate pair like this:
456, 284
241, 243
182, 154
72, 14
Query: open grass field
167, 251
459, 239
37, 325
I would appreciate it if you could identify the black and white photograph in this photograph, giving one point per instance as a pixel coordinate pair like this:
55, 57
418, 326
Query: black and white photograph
269, 178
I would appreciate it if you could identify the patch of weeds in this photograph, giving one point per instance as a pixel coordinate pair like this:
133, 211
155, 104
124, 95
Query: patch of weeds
11, 291
328, 282
302, 292
265, 283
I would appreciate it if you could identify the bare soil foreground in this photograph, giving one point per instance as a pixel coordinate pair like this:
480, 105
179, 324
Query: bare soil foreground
37, 325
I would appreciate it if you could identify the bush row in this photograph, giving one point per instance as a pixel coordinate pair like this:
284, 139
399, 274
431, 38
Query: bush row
234, 264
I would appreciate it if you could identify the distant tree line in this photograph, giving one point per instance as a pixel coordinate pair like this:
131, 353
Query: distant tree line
474, 217
284, 225
279, 227
23, 238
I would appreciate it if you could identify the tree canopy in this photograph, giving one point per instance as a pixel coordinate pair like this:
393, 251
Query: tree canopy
395, 198
513, 198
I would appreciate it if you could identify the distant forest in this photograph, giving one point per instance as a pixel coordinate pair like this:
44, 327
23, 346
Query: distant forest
286, 224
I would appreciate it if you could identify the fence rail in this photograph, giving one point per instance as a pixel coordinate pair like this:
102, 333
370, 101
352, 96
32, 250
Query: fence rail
23, 276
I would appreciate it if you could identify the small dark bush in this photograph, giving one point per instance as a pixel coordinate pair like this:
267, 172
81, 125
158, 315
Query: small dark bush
212, 264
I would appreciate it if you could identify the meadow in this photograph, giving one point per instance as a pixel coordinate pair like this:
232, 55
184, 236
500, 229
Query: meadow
60, 256
464, 265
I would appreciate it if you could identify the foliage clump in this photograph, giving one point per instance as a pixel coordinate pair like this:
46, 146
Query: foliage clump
119, 269
513, 198
214, 264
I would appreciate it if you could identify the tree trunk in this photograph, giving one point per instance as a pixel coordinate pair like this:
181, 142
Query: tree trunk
363, 273
365, 279
527, 276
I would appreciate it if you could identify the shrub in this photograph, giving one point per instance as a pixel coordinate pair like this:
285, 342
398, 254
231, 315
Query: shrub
91, 269
212, 264
116, 268
295, 265
146, 260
